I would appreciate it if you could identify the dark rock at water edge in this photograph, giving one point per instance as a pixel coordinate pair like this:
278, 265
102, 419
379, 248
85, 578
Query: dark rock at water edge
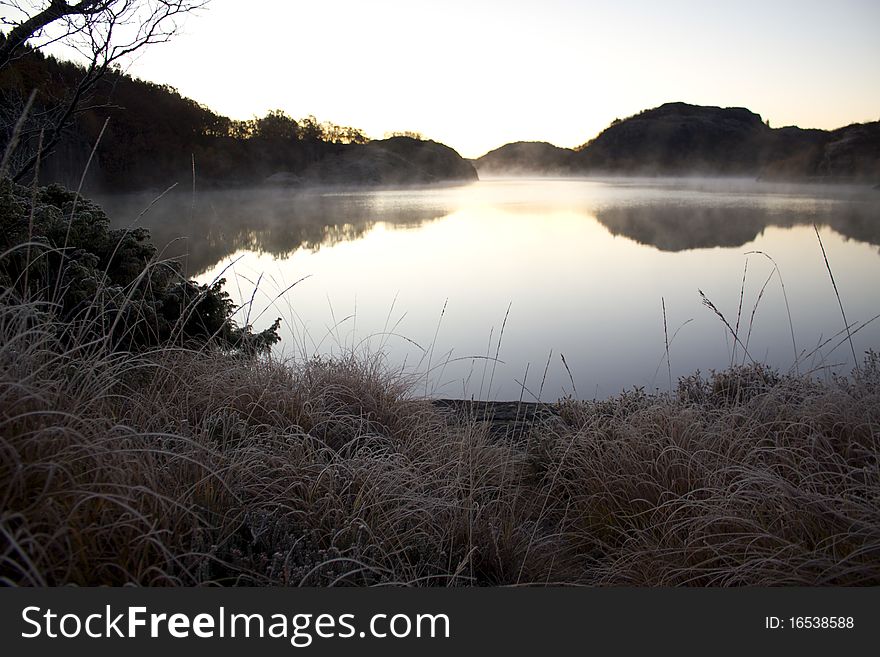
509, 421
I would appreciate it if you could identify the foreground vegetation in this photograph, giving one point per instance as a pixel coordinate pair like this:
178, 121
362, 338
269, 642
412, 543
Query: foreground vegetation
189, 467
174, 451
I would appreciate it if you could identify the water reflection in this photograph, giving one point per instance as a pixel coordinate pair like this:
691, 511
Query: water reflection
681, 226
210, 226
582, 266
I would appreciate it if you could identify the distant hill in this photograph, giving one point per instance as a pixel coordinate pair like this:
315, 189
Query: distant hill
682, 139
156, 137
528, 157
394, 161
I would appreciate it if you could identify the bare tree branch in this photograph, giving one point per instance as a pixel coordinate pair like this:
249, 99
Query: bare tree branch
101, 31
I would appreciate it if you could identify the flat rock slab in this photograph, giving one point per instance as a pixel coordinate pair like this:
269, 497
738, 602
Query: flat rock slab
504, 419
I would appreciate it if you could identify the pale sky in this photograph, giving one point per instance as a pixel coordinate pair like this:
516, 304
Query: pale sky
477, 74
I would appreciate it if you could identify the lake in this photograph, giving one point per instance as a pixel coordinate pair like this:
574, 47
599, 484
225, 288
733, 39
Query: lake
481, 290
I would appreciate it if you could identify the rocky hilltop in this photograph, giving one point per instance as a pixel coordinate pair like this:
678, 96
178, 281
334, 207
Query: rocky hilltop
682, 139
526, 157
394, 161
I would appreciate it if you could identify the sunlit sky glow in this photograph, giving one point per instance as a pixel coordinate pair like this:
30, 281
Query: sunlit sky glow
478, 74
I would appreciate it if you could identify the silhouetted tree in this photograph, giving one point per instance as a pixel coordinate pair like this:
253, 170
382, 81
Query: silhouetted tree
412, 134
310, 129
276, 125
342, 134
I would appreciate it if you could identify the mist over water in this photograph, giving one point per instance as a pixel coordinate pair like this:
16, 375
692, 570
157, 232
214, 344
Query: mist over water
427, 275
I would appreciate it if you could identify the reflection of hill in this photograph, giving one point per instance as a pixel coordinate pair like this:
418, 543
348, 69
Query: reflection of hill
682, 227
271, 221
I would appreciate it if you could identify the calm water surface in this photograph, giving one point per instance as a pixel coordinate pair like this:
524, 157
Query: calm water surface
439, 279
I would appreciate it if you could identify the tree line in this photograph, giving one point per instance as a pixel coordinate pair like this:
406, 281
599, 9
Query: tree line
82, 282
143, 134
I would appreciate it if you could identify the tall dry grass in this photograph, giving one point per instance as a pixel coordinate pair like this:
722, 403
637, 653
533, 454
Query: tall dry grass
187, 467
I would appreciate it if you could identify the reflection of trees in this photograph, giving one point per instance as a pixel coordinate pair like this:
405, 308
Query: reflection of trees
280, 221
680, 227
271, 221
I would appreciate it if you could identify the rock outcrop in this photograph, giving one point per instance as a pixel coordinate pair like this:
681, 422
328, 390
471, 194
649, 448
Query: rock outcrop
679, 139
394, 161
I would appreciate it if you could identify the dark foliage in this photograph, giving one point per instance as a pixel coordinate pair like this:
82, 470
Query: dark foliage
59, 252
154, 135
